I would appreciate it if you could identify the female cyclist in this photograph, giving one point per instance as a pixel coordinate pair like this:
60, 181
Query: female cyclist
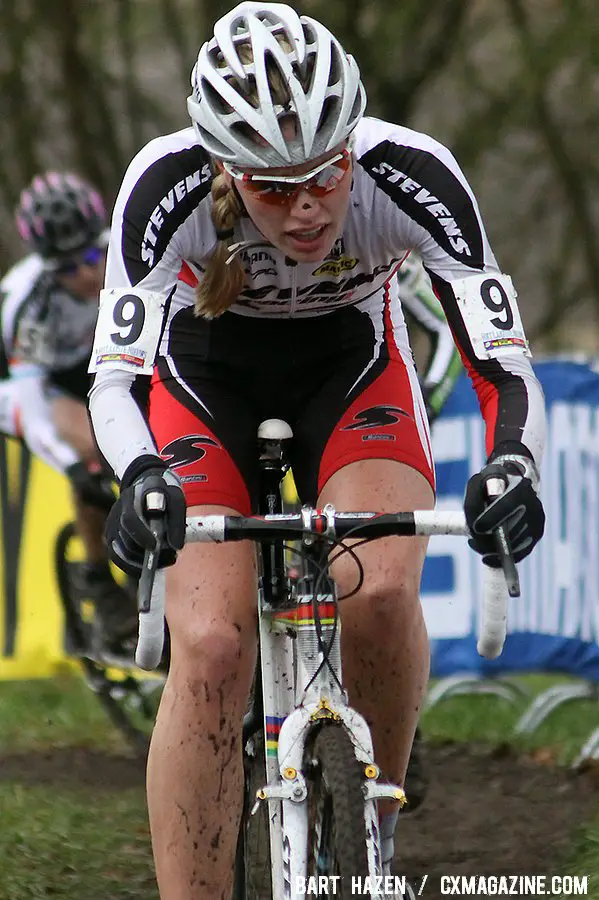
291, 213
49, 311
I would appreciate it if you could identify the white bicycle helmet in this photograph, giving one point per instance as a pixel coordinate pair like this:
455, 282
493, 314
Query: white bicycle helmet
325, 94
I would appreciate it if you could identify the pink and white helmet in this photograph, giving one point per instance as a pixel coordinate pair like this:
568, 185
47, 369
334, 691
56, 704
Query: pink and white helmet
325, 94
59, 214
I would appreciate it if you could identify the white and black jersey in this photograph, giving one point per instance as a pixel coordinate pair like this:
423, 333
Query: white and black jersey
408, 193
45, 325
47, 336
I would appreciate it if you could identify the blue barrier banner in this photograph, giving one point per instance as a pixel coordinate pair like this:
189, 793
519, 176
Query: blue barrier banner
554, 625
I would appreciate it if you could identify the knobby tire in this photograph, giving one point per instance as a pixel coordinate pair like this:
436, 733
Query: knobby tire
255, 829
336, 827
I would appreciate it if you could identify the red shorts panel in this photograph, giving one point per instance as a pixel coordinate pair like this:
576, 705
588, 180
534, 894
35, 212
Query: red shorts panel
208, 473
386, 420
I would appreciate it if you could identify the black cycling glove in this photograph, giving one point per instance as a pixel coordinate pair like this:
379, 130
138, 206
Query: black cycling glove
128, 534
93, 488
518, 509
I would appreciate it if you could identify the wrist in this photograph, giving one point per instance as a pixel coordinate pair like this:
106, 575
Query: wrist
510, 448
141, 466
523, 465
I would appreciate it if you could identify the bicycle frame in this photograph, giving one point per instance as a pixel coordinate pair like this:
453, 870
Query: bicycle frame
300, 659
301, 686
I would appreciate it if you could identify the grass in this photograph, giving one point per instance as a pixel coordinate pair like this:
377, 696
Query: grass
492, 720
40, 715
69, 843
73, 845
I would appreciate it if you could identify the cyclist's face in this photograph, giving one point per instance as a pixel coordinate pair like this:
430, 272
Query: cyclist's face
302, 221
83, 275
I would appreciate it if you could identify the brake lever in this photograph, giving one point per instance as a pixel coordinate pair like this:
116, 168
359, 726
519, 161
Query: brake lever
496, 487
155, 506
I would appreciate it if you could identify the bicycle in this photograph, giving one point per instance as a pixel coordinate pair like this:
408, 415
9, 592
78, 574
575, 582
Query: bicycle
128, 696
311, 780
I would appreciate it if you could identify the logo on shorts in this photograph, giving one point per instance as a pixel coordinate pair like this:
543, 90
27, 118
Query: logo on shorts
377, 417
186, 450
378, 437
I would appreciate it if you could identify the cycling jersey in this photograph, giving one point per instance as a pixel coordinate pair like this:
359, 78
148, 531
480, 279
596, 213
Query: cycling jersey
407, 193
45, 326
47, 335
416, 294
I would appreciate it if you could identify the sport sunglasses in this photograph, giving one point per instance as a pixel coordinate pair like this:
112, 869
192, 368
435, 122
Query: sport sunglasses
91, 256
282, 189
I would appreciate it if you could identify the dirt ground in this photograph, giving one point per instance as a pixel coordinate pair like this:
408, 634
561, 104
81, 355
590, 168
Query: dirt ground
488, 812
493, 812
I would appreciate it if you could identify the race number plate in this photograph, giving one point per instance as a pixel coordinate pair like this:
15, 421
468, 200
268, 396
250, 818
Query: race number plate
491, 316
127, 331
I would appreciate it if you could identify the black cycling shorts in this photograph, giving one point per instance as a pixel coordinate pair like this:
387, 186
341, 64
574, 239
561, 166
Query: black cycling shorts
343, 381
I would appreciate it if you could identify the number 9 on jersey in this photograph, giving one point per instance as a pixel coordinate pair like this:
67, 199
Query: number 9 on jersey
127, 330
491, 316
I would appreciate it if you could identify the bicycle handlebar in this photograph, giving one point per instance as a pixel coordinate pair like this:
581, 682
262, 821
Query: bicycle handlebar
329, 524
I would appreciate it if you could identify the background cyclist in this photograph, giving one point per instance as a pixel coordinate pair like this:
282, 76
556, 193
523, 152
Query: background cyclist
280, 177
49, 310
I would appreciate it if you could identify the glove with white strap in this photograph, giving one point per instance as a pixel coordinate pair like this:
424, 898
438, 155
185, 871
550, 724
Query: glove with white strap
518, 508
127, 531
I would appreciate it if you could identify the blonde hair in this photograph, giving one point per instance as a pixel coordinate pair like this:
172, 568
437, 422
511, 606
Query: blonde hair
222, 283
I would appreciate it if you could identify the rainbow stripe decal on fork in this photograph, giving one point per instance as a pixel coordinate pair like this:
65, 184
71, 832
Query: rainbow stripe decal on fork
273, 727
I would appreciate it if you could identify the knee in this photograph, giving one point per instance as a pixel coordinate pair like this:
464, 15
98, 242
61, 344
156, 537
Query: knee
216, 663
389, 604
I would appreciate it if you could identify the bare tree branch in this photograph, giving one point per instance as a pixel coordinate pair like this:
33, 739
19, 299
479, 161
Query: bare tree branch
91, 122
433, 55
24, 122
128, 46
566, 168
178, 35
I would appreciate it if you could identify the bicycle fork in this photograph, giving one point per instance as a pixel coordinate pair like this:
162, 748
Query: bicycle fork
302, 687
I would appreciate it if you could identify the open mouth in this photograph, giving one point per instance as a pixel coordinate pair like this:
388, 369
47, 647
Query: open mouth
308, 235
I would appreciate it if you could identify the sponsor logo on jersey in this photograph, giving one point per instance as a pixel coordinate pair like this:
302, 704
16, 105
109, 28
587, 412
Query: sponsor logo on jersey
256, 256
166, 206
495, 343
336, 267
377, 417
427, 200
132, 356
337, 261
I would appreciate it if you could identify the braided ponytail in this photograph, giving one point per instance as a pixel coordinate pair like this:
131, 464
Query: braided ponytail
222, 283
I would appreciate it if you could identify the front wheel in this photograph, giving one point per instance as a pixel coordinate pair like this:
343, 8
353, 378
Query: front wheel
336, 826
253, 877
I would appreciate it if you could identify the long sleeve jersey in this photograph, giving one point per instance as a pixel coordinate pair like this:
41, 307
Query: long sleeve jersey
408, 193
